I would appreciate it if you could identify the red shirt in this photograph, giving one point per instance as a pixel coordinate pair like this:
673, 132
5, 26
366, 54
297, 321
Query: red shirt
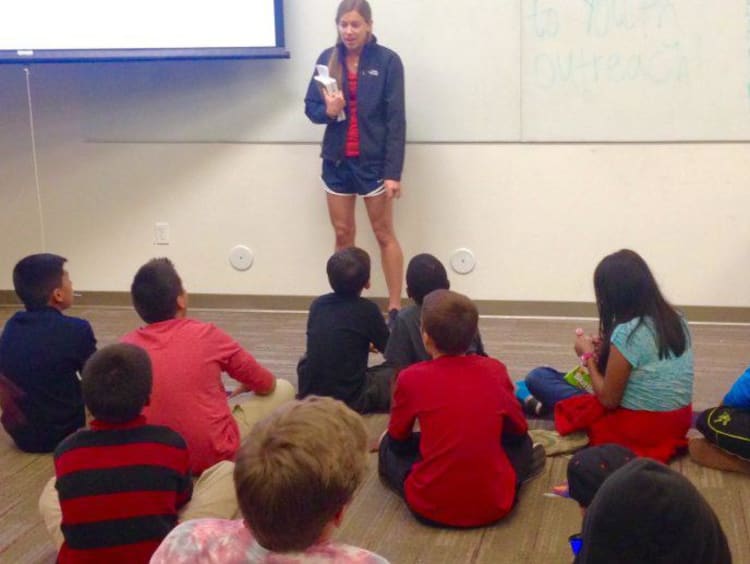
464, 405
120, 487
352, 133
188, 357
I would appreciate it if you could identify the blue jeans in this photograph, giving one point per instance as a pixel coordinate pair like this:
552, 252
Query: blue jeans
547, 385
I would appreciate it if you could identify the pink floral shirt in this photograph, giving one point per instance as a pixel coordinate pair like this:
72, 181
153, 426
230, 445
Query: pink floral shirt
222, 541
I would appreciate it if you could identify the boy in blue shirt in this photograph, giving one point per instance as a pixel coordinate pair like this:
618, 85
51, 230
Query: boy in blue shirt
41, 354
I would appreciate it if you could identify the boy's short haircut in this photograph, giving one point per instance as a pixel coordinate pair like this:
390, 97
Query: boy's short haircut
116, 383
155, 289
451, 320
348, 271
424, 274
588, 468
297, 469
35, 277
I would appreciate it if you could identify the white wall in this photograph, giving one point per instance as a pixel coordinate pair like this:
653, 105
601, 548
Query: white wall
538, 217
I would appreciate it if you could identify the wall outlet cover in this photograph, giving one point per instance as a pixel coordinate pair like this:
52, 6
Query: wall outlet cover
241, 257
161, 233
462, 261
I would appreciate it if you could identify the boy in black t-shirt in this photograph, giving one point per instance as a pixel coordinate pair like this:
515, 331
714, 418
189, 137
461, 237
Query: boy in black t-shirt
340, 328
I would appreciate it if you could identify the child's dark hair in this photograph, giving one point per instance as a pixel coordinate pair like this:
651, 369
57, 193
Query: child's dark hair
451, 320
625, 289
155, 290
424, 274
35, 277
348, 271
116, 382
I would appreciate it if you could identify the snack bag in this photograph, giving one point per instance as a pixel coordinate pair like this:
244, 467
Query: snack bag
579, 378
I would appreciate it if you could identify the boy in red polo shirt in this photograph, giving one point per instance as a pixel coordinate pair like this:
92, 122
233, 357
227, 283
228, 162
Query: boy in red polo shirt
189, 357
465, 466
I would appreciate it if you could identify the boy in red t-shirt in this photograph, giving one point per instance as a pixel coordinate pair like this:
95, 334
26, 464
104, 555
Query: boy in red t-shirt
465, 466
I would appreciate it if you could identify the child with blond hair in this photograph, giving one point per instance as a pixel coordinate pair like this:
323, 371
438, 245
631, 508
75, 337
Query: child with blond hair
295, 475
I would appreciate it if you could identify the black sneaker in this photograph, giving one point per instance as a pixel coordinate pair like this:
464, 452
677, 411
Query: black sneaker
533, 407
391, 320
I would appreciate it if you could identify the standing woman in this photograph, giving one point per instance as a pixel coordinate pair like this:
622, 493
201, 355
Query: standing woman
364, 152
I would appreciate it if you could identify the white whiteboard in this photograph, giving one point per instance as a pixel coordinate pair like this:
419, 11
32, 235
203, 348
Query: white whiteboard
636, 70
455, 54
476, 71
138, 24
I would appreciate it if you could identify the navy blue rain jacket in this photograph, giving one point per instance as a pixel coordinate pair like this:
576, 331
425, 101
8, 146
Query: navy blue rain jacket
380, 111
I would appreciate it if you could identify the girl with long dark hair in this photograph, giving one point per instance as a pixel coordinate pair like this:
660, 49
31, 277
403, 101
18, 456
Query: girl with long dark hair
640, 366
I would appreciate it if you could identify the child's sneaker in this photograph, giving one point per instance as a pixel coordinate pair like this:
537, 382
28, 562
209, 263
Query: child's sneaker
531, 405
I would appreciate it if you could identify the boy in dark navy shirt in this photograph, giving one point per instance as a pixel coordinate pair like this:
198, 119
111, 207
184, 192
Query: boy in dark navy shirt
340, 328
41, 354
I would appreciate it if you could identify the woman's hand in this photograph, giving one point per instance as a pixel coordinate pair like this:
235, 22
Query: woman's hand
392, 189
334, 103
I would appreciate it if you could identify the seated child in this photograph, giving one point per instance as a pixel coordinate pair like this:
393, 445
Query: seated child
727, 431
188, 357
640, 366
41, 353
340, 328
587, 470
465, 467
312, 451
120, 482
424, 274
646, 512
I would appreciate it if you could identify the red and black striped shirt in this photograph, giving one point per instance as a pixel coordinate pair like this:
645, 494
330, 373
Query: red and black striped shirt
120, 487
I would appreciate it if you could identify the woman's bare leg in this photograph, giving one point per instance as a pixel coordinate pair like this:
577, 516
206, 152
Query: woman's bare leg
341, 212
380, 212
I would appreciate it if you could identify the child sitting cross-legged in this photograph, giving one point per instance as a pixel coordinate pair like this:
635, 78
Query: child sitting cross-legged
295, 476
341, 327
121, 482
465, 466
189, 357
41, 353
726, 429
640, 365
